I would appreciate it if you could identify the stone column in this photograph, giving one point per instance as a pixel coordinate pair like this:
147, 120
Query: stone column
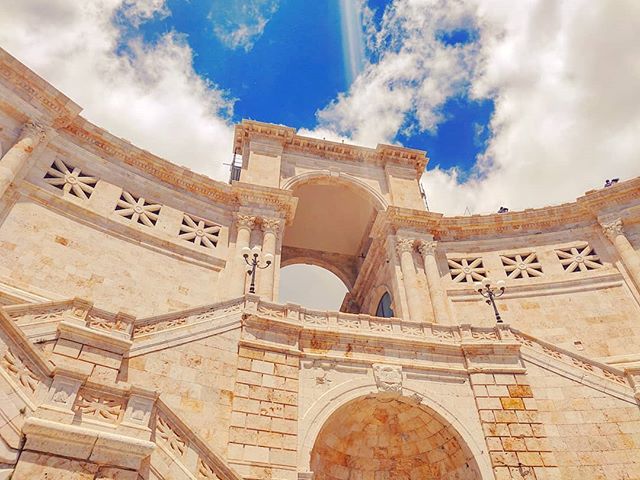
614, 231
436, 292
244, 226
270, 229
30, 137
404, 247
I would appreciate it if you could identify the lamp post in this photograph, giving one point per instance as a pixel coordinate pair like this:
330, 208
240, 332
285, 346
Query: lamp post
491, 292
252, 259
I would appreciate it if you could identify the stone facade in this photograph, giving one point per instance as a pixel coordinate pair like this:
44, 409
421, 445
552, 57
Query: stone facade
131, 347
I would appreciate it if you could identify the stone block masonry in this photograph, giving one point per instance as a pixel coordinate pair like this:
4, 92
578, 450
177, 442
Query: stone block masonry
263, 428
514, 432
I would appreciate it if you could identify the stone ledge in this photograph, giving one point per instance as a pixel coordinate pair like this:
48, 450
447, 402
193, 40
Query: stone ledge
94, 338
81, 443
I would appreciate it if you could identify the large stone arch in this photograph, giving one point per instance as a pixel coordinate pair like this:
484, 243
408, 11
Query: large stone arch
325, 176
332, 225
331, 402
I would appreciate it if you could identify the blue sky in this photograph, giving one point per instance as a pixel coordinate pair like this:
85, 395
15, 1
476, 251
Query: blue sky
299, 64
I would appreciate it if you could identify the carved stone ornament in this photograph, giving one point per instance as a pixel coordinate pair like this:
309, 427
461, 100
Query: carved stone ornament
388, 377
245, 221
63, 391
613, 229
34, 130
427, 248
404, 245
271, 225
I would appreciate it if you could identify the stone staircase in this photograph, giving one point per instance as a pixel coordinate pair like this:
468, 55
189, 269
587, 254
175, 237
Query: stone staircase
61, 409
133, 427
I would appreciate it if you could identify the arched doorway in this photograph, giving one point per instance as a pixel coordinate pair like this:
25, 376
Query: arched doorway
378, 437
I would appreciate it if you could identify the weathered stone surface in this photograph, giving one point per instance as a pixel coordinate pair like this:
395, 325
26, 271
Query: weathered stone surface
167, 367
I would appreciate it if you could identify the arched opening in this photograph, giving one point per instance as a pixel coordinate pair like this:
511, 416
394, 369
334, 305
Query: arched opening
382, 437
384, 308
331, 229
312, 286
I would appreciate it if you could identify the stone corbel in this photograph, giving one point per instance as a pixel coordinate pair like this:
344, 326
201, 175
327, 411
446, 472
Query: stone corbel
251, 301
137, 415
293, 311
504, 331
58, 404
79, 312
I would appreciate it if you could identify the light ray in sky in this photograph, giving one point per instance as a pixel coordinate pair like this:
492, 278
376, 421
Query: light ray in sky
352, 38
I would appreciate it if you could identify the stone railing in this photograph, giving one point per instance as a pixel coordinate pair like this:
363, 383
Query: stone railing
570, 358
368, 324
185, 447
64, 410
45, 316
146, 326
79, 311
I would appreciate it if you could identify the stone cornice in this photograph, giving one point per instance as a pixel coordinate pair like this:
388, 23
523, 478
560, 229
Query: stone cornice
292, 142
597, 200
81, 442
397, 218
260, 199
55, 108
117, 150
583, 212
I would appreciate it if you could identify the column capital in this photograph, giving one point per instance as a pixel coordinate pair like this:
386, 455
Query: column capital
271, 225
35, 130
427, 247
244, 221
404, 245
613, 229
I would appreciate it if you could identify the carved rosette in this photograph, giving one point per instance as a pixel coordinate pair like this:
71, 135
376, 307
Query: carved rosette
427, 248
271, 225
404, 245
245, 221
613, 229
388, 377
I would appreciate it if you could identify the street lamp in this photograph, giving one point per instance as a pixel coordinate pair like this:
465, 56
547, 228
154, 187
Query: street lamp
491, 292
251, 258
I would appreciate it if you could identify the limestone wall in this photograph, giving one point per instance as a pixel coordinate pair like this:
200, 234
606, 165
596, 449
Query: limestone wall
591, 309
592, 433
197, 381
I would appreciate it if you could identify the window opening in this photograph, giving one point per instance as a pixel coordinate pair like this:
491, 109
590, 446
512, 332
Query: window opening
384, 306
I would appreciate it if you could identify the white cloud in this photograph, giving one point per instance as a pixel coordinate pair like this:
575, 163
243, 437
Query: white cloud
311, 286
149, 95
415, 75
563, 76
239, 24
139, 11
